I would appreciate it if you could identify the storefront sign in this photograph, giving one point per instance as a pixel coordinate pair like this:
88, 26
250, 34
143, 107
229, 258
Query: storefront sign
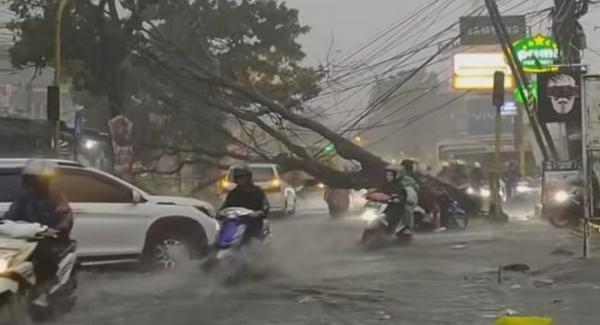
482, 117
509, 109
538, 54
475, 71
479, 30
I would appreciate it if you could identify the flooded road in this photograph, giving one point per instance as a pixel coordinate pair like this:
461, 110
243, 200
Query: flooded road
322, 276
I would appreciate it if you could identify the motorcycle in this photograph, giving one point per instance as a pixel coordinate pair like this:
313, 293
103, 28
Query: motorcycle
457, 218
563, 208
378, 229
19, 291
233, 254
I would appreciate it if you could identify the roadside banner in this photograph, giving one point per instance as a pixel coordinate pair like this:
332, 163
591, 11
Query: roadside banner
121, 129
559, 96
592, 100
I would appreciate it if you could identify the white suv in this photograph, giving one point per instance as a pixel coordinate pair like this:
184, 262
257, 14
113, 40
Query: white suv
117, 222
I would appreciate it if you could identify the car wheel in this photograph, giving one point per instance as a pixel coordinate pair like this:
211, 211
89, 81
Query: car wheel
173, 248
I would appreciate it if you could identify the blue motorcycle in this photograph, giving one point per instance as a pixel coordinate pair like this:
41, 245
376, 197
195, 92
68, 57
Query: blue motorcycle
237, 251
457, 217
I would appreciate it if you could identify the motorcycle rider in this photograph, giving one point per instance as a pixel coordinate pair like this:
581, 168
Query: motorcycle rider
511, 177
395, 209
476, 176
247, 195
411, 187
39, 204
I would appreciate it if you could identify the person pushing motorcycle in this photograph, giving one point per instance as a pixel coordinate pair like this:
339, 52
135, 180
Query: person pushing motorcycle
39, 204
247, 195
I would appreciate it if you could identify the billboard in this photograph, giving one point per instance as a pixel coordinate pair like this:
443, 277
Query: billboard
538, 53
475, 71
559, 96
482, 117
479, 30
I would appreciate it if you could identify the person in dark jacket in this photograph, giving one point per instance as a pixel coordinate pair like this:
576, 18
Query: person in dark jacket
249, 196
476, 176
39, 204
393, 188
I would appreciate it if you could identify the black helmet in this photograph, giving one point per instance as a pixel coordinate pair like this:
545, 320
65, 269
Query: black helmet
241, 171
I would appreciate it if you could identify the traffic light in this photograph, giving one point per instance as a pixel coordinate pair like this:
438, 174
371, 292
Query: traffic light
53, 103
329, 148
498, 95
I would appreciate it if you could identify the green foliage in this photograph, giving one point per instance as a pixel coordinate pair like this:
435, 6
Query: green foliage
253, 40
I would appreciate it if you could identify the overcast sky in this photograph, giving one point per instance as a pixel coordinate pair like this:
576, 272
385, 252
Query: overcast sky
353, 22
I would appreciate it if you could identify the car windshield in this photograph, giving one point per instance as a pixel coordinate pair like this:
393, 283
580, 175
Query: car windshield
263, 174
10, 185
259, 174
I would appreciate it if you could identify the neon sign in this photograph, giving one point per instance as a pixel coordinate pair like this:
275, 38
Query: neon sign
538, 53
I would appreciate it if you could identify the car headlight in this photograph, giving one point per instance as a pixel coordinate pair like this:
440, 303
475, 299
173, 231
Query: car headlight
561, 196
470, 191
485, 193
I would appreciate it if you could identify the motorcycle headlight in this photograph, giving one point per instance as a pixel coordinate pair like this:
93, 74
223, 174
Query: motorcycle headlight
561, 196
368, 215
4, 263
485, 193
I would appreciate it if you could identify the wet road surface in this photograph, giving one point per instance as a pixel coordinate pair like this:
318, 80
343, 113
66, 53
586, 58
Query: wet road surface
322, 276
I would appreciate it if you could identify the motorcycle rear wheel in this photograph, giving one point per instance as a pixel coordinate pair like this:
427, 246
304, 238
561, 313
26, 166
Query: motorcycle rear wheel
559, 220
373, 238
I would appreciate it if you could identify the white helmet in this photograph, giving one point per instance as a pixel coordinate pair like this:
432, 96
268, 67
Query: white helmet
40, 167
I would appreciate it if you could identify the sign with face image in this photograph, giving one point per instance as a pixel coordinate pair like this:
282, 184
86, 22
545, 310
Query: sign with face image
559, 96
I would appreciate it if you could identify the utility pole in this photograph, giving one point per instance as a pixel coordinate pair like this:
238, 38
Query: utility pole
571, 41
53, 95
497, 101
541, 133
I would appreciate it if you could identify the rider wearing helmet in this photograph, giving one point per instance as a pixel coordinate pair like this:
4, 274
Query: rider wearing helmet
411, 188
249, 196
476, 176
39, 204
395, 209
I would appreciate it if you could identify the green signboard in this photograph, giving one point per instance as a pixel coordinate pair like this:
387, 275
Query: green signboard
538, 54
533, 91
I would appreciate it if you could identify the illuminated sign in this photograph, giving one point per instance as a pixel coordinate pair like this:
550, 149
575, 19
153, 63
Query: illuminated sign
479, 30
533, 91
538, 54
475, 71
508, 109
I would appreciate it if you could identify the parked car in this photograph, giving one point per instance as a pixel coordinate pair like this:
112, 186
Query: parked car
118, 222
281, 196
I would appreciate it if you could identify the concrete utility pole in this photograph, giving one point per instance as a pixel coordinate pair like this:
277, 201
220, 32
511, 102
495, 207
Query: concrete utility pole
571, 41
541, 133
53, 100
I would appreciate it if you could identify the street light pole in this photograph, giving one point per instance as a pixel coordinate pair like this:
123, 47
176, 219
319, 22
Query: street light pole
57, 73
